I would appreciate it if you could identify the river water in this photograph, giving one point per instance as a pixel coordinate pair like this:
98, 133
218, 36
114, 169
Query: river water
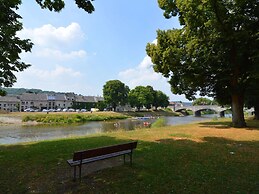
12, 134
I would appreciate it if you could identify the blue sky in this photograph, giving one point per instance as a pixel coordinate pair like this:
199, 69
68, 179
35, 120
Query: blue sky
79, 52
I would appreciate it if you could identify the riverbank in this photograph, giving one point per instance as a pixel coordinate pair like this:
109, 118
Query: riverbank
195, 158
33, 118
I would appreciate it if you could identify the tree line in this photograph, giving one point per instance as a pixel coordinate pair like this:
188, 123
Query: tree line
116, 94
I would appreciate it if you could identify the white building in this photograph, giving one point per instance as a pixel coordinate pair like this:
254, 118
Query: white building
9, 103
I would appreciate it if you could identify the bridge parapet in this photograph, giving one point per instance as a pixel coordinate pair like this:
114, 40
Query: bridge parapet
216, 108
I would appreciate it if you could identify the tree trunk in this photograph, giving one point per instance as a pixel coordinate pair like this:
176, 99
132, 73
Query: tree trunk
238, 119
256, 107
114, 108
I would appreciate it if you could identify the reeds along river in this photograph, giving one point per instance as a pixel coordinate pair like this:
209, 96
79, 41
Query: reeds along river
11, 134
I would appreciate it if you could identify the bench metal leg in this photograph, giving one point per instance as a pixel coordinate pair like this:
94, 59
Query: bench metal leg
80, 172
131, 158
74, 173
124, 158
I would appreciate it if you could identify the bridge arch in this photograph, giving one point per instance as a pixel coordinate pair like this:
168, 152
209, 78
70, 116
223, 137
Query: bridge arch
197, 109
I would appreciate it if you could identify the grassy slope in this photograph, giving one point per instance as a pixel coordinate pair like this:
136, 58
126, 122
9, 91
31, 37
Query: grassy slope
208, 157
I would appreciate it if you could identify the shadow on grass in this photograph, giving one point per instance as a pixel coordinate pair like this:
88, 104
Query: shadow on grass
251, 124
164, 166
216, 124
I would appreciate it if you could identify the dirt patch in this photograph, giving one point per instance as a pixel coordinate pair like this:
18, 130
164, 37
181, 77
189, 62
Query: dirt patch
10, 120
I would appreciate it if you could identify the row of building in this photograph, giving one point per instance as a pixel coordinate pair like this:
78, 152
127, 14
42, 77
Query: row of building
48, 101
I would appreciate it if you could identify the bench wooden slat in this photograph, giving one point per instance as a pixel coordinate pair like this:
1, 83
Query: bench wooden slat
71, 162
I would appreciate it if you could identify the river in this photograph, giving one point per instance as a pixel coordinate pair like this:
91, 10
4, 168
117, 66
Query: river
12, 134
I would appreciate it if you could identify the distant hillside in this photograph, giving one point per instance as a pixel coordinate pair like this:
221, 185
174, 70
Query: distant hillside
19, 91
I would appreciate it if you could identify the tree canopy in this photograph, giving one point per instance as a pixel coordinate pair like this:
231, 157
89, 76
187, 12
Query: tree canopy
215, 52
160, 99
115, 93
141, 96
10, 44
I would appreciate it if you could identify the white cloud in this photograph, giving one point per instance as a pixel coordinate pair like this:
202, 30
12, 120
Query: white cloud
48, 35
59, 78
56, 73
58, 54
144, 75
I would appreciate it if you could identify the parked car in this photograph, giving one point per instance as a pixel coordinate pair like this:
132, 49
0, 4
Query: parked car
71, 110
28, 110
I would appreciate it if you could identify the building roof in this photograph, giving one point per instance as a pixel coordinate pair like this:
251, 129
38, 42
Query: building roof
9, 99
57, 97
33, 97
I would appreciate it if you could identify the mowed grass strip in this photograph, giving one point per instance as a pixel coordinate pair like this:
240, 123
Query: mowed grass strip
207, 157
69, 118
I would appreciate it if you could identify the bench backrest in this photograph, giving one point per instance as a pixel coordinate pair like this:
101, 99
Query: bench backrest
80, 155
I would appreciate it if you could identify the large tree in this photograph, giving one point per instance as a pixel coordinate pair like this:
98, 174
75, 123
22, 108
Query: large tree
115, 93
215, 52
141, 96
160, 99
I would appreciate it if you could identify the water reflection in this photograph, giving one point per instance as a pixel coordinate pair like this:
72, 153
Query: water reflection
16, 134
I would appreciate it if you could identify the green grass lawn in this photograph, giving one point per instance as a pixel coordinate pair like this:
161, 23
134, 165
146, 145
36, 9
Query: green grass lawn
207, 157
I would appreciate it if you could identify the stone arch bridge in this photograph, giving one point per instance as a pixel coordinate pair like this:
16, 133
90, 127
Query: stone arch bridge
197, 109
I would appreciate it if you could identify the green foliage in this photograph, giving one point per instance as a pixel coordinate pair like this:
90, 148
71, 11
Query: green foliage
11, 45
70, 118
215, 52
19, 91
160, 122
141, 96
58, 5
160, 99
2, 92
202, 101
115, 93
101, 105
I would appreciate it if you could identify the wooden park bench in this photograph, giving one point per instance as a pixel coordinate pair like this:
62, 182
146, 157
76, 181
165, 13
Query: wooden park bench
101, 153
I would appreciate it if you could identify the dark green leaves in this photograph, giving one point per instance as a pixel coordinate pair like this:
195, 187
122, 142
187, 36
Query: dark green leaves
58, 5
115, 93
11, 46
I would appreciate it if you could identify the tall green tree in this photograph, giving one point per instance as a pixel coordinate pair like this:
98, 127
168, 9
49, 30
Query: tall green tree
215, 52
115, 93
141, 96
160, 99
11, 46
